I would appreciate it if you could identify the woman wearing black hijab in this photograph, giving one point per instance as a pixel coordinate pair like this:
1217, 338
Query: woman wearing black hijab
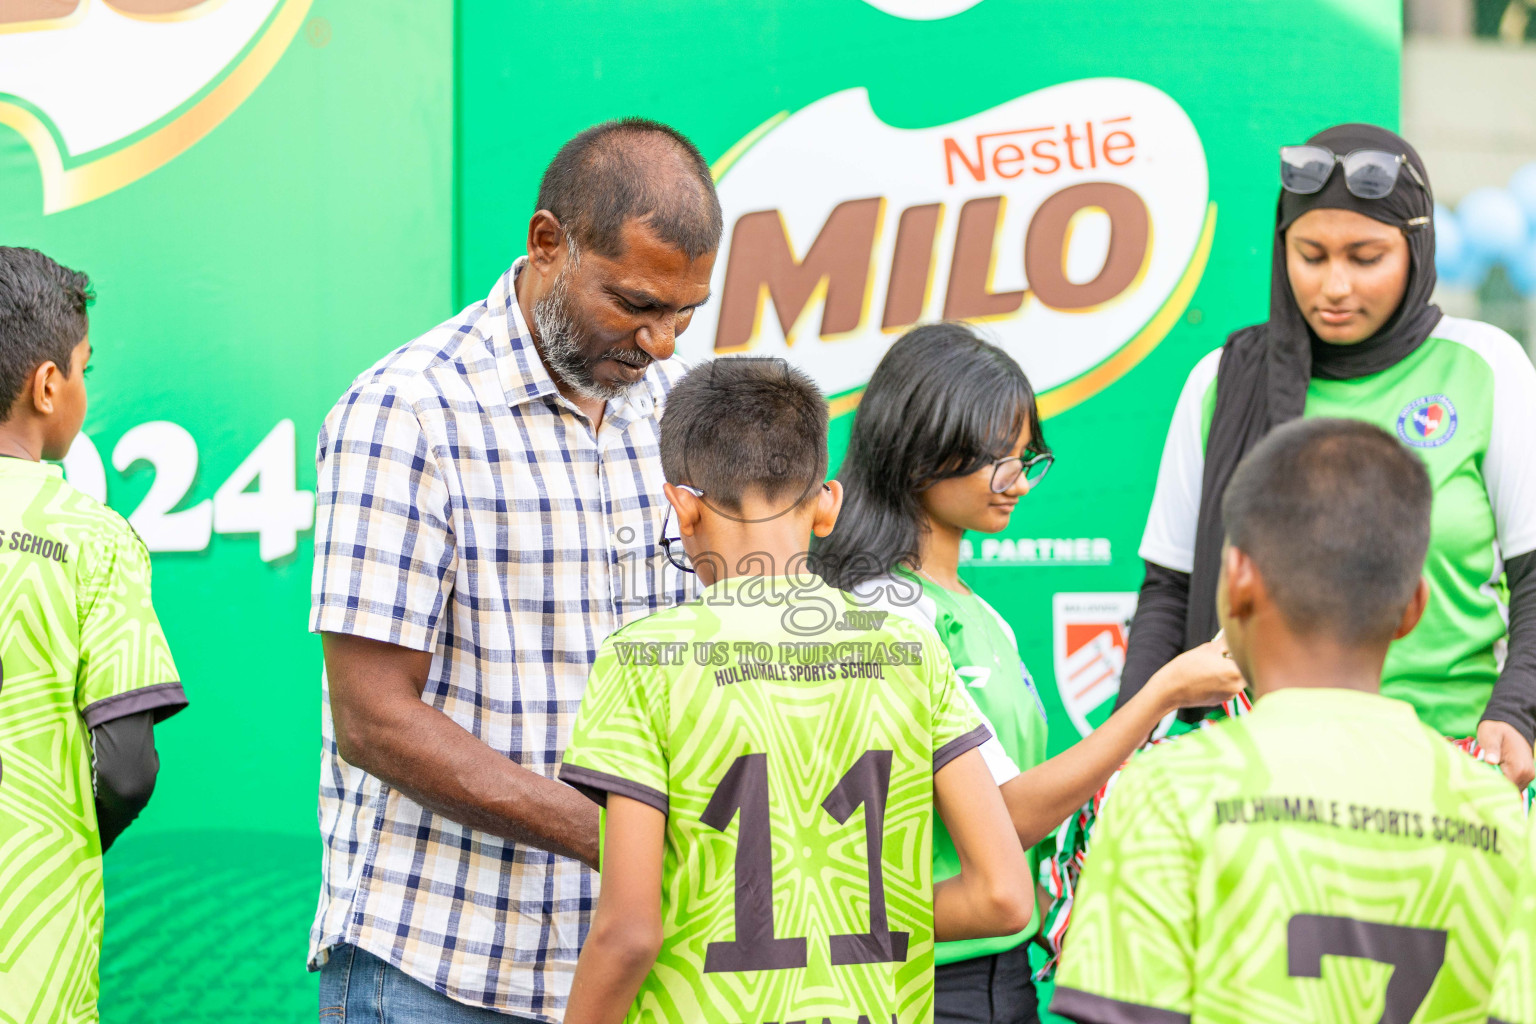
1351, 332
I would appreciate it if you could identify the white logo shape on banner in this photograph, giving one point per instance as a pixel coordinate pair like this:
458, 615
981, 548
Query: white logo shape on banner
108, 90
1073, 222
1091, 631
923, 10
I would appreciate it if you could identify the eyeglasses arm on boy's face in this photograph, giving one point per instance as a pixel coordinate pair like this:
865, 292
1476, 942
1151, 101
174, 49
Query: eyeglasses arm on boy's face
671, 546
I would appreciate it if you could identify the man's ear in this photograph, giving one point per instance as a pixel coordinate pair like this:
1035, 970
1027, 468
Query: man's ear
1243, 582
1414, 611
828, 504
546, 242
686, 507
46, 382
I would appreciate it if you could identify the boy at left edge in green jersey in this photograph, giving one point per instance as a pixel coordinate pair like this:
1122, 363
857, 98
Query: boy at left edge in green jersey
85, 672
770, 755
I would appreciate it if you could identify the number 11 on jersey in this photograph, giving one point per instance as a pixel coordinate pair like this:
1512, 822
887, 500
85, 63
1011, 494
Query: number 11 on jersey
744, 790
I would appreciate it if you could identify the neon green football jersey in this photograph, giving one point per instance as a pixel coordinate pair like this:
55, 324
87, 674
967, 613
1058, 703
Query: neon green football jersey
982, 647
1325, 859
79, 645
791, 736
1465, 402
1514, 988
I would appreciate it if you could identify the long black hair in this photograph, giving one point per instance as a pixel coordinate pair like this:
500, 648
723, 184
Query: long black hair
942, 403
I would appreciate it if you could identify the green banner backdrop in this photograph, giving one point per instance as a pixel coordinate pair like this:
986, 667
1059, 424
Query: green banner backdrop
270, 194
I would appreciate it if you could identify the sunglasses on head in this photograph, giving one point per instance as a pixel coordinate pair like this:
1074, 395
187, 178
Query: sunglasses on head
1368, 173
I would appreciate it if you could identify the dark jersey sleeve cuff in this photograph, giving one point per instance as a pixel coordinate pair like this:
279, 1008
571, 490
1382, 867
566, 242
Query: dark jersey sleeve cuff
959, 745
596, 785
164, 699
1087, 1008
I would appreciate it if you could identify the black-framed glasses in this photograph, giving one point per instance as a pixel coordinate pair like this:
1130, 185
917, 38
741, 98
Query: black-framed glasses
1368, 173
1006, 472
672, 547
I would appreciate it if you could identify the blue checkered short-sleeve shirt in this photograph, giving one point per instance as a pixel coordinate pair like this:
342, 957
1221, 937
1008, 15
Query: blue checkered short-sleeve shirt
467, 509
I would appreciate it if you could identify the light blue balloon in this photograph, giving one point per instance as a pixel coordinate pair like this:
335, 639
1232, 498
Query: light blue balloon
1493, 224
1522, 187
1450, 246
1470, 273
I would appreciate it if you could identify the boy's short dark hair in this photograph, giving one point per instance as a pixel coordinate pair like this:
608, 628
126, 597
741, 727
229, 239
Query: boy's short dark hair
1335, 514
42, 318
621, 170
745, 423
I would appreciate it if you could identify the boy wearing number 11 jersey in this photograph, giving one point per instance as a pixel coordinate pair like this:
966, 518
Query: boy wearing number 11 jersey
1326, 858
770, 755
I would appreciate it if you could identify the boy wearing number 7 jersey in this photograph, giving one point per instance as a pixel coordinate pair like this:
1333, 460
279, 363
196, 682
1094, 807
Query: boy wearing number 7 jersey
1326, 858
770, 756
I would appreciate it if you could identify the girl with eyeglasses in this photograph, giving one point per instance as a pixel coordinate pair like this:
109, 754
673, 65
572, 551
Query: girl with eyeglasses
947, 440
1352, 332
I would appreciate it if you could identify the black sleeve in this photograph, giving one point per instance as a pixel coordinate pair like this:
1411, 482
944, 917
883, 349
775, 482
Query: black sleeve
1514, 697
1157, 631
126, 766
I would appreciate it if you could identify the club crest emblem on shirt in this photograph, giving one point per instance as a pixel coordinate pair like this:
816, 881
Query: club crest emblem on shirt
1427, 422
1090, 642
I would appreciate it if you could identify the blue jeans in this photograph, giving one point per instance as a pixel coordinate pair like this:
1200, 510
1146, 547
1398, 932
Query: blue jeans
357, 987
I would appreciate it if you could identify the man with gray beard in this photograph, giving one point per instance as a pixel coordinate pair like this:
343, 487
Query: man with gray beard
489, 510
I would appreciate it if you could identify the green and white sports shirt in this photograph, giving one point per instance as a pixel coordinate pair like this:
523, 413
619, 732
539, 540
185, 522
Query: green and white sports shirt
1465, 402
79, 646
791, 737
1514, 988
985, 654
1327, 858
